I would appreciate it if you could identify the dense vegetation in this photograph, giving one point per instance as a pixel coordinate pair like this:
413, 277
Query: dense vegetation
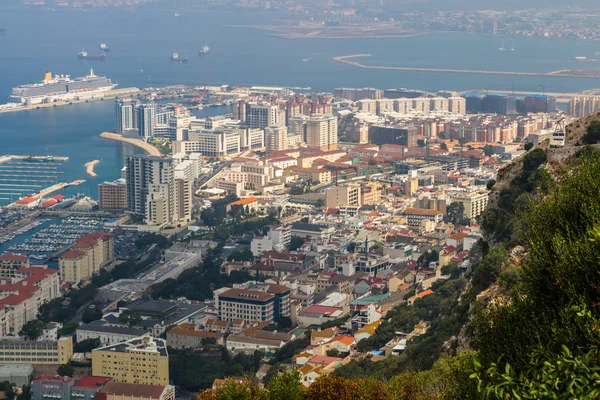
196, 370
541, 339
498, 222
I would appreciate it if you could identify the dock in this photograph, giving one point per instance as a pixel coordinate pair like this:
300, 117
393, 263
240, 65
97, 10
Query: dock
148, 148
110, 94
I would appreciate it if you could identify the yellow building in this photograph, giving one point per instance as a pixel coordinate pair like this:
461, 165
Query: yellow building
352, 194
411, 186
10, 262
144, 360
321, 175
475, 203
36, 352
87, 256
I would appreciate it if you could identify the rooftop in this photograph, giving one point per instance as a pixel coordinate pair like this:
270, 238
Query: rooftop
133, 389
91, 382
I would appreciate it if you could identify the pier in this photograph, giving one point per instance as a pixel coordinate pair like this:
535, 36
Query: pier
110, 94
562, 73
148, 148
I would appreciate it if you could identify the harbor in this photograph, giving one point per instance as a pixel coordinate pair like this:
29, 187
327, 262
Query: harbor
46, 237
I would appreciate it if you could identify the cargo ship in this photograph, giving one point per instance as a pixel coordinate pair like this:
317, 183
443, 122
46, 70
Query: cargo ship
62, 88
104, 47
83, 55
175, 58
205, 50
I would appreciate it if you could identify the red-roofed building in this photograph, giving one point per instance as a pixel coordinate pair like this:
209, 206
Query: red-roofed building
87, 256
10, 262
21, 300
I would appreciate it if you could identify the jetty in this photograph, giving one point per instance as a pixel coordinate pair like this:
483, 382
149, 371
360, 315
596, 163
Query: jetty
148, 148
89, 168
348, 60
109, 94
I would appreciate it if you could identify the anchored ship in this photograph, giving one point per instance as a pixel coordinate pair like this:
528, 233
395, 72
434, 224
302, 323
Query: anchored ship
83, 55
175, 58
61, 88
205, 50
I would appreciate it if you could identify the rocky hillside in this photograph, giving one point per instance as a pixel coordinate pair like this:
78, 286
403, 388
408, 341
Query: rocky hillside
576, 130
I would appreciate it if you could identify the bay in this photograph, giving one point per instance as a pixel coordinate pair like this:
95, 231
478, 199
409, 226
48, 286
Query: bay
38, 40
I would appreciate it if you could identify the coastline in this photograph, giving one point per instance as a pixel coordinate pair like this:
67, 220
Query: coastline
89, 168
148, 148
560, 74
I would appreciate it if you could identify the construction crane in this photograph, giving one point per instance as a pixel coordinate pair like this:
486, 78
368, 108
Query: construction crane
200, 99
559, 135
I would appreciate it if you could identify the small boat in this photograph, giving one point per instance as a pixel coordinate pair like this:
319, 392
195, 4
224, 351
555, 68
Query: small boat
306, 59
104, 47
502, 47
204, 51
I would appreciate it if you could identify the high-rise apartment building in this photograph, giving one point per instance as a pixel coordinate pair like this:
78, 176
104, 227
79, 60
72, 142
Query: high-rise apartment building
144, 360
475, 202
319, 131
457, 105
581, 106
402, 135
260, 115
152, 190
146, 116
112, 195
540, 103
355, 94
276, 137
125, 121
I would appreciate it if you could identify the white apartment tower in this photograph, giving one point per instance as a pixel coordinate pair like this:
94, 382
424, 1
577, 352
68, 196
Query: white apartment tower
276, 138
125, 120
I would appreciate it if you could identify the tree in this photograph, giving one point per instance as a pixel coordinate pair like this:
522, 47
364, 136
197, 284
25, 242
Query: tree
490, 184
296, 190
488, 150
25, 393
455, 213
208, 217
421, 142
8, 390
244, 255
444, 146
284, 323
65, 370
528, 146
130, 318
67, 329
91, 314
333, 353
208, 341
32, 330
295, 243
286, 385
87, 345
592, 136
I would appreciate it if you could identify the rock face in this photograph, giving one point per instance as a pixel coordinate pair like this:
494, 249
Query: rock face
576, 130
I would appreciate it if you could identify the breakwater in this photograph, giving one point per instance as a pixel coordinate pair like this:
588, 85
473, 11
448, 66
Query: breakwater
148, 148
562, 73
